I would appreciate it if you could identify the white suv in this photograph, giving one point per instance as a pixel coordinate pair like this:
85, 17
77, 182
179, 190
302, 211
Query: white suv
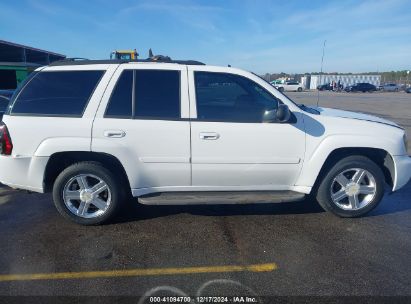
97, 132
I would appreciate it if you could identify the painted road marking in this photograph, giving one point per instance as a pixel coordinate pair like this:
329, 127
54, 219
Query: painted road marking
138, 272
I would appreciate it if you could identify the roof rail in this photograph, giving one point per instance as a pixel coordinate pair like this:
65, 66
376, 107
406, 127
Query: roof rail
73, 59
82, 61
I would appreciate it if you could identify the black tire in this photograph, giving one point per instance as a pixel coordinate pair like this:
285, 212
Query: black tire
118, 194
299, 89
281, 89
323, 192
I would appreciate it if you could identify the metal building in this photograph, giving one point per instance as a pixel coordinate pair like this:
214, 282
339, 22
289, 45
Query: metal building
311, 82
17, 61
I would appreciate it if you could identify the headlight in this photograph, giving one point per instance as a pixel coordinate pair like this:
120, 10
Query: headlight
406, 142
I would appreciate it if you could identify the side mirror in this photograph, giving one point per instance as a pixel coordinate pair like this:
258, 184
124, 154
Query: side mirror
281, 114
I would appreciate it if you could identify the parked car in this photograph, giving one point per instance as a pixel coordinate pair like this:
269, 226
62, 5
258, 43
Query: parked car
97, 132
325, 87
289, 86
276, 82
408, 90
361, 87
391, 87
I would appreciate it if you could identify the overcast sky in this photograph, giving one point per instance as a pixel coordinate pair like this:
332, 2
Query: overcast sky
257, 35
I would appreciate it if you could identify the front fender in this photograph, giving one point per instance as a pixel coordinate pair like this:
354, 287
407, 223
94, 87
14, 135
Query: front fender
317, 156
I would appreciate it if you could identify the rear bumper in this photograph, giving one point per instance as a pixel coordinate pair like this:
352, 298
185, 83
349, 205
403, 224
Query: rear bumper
402, 166
23, 172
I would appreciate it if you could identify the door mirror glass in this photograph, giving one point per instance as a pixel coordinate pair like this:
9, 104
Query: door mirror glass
270, 116
281, 114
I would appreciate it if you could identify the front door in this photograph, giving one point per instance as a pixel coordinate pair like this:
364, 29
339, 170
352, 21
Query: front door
231, 145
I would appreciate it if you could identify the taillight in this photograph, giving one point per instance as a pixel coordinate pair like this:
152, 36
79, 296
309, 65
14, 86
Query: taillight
5, 141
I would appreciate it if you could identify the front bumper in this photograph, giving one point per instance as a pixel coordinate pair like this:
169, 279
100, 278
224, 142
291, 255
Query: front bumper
402, 166
23, 172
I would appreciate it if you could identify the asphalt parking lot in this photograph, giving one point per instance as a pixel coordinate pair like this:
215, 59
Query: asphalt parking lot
272, 249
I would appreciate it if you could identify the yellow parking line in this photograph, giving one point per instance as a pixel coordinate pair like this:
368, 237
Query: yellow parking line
138, 272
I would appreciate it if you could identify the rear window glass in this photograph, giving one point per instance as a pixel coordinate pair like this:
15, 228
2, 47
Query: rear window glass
62, 93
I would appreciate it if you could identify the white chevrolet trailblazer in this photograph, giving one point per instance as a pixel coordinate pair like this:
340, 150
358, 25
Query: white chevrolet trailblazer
179, 132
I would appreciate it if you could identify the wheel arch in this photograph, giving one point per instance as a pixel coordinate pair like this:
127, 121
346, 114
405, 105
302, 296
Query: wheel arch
381, 157
61, 160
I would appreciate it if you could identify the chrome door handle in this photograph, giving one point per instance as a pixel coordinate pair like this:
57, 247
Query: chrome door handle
209, 135
114, 133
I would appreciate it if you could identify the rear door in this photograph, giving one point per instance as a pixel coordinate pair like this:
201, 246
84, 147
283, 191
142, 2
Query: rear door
231, 147
143, 121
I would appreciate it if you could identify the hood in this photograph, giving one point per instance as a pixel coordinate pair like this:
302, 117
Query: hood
354, 115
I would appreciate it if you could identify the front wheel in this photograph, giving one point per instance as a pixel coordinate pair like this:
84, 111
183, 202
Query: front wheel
299, 89
352, 187
87, 193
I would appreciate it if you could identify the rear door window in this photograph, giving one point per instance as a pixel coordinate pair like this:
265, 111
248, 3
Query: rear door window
60, 93
146, 94
157, 94
120, 105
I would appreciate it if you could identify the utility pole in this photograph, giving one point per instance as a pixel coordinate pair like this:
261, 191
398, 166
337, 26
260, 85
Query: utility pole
321, 73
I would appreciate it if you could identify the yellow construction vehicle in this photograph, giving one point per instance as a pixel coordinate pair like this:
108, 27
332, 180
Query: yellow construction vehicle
124, 54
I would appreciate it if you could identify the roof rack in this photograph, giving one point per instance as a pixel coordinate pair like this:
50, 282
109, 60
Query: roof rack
82, 61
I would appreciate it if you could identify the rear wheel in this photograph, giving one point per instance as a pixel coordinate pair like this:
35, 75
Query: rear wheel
87, 193
281, 89
299, 89
352, 187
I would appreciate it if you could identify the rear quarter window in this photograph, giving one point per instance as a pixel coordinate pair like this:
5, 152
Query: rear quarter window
60, 93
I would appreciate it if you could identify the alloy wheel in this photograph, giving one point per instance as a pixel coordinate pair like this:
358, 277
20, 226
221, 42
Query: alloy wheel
87, 196
353, 189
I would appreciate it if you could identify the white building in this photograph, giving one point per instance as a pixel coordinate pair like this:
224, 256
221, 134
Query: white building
311, 82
